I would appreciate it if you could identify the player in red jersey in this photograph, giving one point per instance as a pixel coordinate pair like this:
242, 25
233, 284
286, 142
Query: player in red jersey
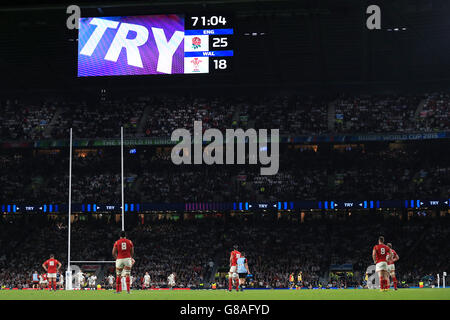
52, 267
380, 254
123, 252
232, 274
393, 257
43, 282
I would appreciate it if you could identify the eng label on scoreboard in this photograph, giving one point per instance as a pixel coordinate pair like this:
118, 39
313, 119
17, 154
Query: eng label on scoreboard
196, 43
196, 65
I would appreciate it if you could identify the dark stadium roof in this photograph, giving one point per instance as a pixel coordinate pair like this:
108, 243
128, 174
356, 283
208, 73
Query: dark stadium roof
304, 42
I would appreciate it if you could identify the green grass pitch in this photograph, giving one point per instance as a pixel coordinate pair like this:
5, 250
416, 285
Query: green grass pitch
349, 294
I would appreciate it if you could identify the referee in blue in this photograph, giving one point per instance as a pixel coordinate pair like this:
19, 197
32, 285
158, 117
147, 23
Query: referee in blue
243, 270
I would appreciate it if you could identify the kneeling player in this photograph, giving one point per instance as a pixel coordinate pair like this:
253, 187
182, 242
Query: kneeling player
393, 257
243, 270
52, 267
123, 252
232, 274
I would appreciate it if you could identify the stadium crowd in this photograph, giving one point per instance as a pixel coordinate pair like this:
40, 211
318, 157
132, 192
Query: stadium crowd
412, 171
159, 116
275, 246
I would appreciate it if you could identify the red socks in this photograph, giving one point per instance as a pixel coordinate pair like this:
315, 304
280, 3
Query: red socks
127, 280
54, 285
384, 284
118, 284
49, 285
230, 283
395, 282
237, 285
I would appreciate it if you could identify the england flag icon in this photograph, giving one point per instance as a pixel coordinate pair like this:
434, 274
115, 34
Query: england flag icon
196, 43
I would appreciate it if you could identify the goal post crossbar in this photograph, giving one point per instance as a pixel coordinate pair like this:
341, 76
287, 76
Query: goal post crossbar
69, 261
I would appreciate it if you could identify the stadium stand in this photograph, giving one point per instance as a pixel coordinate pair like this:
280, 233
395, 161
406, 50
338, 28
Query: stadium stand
293, 114
274, 246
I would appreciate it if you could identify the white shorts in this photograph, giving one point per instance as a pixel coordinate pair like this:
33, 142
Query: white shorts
391, 267
43, 282
233, 273
171, 283
121, 263
381, 266
51, 275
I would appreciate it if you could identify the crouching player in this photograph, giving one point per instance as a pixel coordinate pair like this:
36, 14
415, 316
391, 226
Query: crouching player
52, 267
393, 257
243, 270
123, 252
380, 255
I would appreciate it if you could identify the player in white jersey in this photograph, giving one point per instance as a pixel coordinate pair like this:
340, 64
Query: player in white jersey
92, 280
146, 283
42, 282
171, 280
111, 281
61, 281
81, 279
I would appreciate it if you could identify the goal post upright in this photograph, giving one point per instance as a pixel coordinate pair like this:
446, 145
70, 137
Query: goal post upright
122, 187
69, 271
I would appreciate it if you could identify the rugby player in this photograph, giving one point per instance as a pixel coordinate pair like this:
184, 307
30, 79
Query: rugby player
146, 283
60, 281
380, 255
123, 251
171, 280
43, 282
35, 280
111, 281
52, 267
91, 280
232, 275
393, 257
243, 270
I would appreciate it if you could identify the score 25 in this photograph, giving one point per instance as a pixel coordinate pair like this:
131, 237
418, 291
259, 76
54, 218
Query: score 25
220, 42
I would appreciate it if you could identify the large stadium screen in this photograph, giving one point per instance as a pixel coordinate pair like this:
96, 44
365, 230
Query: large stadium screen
154, 44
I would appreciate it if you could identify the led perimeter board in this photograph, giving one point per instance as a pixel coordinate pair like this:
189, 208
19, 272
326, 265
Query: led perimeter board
154, 44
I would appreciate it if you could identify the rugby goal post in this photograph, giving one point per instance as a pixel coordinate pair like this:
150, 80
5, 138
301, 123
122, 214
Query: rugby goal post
69, 271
